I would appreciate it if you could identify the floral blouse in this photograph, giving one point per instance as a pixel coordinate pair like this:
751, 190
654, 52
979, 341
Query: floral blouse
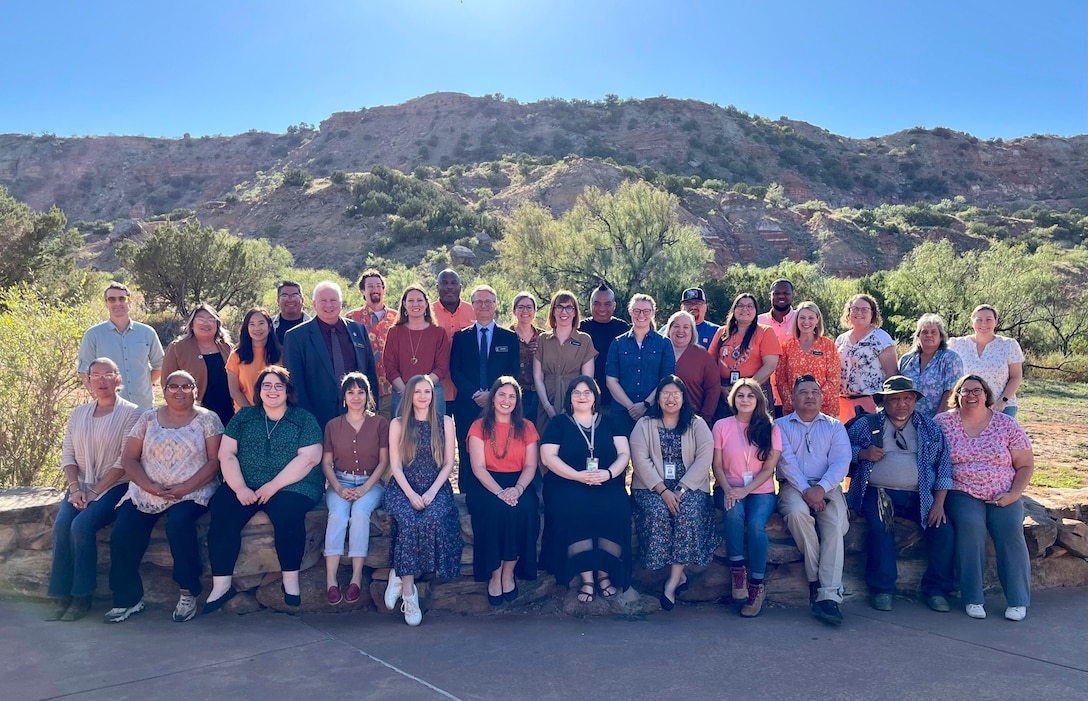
173, 455
993, 364
982, 466
939, 376
821, 361
861, 372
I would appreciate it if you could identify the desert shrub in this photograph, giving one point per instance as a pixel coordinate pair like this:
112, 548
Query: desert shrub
297, 177
1055, 366
37, 389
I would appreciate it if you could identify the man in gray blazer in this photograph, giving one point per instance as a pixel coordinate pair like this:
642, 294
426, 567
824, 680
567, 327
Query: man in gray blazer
319, 352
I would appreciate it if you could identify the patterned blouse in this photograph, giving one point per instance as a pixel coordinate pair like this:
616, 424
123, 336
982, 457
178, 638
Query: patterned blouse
982, 466
377, 329
173, 455
861, 372
938, 377
993, 364
265, 447
821, 361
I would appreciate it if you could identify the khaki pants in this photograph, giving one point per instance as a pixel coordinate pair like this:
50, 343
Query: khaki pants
823, 553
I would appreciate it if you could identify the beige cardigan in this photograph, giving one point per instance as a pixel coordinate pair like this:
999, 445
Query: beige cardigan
697, 449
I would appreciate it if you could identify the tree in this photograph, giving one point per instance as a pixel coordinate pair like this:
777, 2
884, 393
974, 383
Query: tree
29, 240
630, 239
179, 268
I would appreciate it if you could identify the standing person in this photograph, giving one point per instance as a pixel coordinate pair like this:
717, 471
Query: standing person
996, 359
932, 365
866, 356
172, 461
451, 315
355, 459
257, 348
815, 457
505, 516
810, 352
693, 302
603, 328
524, 325
377, 319
426, 531
904, 470
587, 512
202, 351
563, 353
637, 360
694, 366
289, 298
992, 463
91, 461
270, 456
132, 346
671, 451
744, 348
416, 346
479, 354
781, 319
319, 352
747, 446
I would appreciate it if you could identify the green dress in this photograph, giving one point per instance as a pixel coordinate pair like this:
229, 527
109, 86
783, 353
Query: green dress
265, 447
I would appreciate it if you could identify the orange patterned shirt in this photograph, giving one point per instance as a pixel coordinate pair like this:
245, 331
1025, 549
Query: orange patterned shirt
821, 361
377, 329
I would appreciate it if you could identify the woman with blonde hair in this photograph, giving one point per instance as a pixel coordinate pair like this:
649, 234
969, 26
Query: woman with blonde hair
809, 352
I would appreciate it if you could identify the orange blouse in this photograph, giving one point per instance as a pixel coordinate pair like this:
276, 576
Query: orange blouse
821, 361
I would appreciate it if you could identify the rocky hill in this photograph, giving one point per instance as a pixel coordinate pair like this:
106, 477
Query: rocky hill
455, 142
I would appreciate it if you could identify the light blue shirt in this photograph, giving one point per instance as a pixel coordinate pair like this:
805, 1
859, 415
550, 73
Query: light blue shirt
490, 333
814, 454
136, 350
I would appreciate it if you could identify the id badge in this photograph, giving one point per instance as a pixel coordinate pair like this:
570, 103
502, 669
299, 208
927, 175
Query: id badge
670, 470
592, 464
734, 376
747, 478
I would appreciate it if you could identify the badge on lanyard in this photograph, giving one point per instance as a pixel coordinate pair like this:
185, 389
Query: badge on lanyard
670, 470
593, 464
734, 376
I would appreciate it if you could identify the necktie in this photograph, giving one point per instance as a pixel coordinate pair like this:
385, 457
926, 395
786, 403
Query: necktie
337, 355
483, 357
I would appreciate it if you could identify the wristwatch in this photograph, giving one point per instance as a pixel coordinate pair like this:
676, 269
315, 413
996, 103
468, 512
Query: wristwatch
1005, 399
645, 404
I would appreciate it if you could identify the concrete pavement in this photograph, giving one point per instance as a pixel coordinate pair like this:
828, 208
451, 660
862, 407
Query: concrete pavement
693, 652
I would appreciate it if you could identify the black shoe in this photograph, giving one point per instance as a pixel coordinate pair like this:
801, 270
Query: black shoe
81, 606
294, 600
213, 606
512, 594
58, 608
813, 589
666, 603
828, 612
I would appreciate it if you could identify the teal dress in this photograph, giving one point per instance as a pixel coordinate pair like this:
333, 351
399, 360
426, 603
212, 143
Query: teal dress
265, 447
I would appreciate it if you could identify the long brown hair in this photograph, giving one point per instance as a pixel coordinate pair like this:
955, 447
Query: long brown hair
409, 437
760, 425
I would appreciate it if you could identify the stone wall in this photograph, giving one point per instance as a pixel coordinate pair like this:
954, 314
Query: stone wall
1054, 526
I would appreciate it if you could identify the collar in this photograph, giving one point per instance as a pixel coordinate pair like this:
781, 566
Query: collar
325, 328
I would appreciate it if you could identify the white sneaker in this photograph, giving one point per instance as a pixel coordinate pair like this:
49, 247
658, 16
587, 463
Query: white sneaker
120, 613
413, 615
186, 608
976, 611
1016, 613
392, 590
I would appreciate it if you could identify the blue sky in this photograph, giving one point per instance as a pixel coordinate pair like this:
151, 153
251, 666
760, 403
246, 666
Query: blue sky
857, 68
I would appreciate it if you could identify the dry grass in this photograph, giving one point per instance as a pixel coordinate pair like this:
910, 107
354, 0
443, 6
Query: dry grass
1055, 416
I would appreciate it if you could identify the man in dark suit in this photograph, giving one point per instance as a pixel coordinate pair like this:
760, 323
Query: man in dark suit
319, 352
473, 372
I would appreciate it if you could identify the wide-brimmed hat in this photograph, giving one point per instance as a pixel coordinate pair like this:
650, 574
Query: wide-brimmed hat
896, 384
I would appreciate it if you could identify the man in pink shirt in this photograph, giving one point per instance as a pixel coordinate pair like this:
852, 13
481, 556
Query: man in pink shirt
780, 319
452, 314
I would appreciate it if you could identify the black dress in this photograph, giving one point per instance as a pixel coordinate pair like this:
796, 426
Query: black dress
575, 513
217, 393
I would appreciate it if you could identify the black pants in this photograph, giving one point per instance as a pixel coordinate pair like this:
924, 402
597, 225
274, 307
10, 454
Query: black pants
128, 543
286, 511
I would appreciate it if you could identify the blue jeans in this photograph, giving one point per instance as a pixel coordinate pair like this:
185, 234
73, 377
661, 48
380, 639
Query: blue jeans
973, 519
75, 552
439, 398
747, 522
350, 518
1009, 411
881, 572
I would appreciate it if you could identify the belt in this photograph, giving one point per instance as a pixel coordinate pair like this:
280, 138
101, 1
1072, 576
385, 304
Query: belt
353, 474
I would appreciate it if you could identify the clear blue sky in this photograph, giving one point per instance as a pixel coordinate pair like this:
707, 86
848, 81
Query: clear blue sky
857, 67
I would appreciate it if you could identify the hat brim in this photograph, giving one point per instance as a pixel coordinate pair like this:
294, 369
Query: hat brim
878, 397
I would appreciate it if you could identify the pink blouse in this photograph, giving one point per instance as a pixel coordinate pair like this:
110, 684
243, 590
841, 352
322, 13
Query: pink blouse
739, 456
982, 466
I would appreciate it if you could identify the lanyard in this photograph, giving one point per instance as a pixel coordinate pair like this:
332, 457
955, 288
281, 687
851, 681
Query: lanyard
592, 439
748, 448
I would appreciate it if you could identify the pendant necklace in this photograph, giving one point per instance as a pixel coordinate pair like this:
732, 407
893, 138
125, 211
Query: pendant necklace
414, 346
269, 431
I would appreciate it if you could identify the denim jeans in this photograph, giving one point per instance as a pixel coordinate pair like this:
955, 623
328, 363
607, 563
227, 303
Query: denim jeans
439, 399
350, 518
129, 540
747, 522
973, 519
75, 552
1009, 411
881, 572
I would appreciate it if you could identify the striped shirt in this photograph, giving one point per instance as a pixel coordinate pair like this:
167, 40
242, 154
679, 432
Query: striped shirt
94, 445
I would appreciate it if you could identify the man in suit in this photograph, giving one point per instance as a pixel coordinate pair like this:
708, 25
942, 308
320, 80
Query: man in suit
319, 352
473, 371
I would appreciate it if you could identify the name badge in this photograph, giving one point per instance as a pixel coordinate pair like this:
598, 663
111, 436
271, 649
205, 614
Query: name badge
670, 470
734, 376
502, 349
593, 464
576, 343
819, 353
747, 478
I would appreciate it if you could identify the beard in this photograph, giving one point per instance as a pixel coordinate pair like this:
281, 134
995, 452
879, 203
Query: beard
375, 297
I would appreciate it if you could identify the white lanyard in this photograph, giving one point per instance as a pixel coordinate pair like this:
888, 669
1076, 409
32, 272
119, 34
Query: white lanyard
592, 439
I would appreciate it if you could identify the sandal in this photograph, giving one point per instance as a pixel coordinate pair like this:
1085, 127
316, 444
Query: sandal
604, 584
584, 595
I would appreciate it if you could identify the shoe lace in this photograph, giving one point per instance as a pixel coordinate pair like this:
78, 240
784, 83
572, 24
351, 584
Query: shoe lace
738, 579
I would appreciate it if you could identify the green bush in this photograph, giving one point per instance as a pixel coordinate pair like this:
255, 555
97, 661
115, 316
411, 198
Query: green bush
297, 177
37, 389
1055, 366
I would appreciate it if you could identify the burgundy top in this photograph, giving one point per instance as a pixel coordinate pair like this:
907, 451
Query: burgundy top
357, 453
432, 353
346, 349
696, 367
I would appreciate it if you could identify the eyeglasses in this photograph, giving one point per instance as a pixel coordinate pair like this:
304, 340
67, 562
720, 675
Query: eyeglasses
103, 376
564, 309
671, 395
861, 310
582, 393
273, 386
525, 308
973, 392
642, 312
749, 307
483, 303
187, 387
114, 300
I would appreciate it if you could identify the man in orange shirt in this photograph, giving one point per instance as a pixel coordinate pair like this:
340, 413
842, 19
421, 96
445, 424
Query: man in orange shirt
452, 314
377, 319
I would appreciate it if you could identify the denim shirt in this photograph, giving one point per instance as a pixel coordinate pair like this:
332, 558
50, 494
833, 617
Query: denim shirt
640, 369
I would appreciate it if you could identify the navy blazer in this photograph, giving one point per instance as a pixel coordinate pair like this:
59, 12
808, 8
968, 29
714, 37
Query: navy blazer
504, 358
307, 358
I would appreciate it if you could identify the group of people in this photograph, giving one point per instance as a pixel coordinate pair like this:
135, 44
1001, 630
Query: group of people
382, 407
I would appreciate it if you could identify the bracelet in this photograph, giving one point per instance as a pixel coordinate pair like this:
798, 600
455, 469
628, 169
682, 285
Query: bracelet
71, 483
93, 492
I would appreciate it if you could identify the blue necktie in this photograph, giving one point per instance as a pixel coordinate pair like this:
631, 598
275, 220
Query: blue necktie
483, 357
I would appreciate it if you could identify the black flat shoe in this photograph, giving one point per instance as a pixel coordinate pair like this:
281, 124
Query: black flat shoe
681, 588
291, 599
213, 606
512, 594
666, 603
